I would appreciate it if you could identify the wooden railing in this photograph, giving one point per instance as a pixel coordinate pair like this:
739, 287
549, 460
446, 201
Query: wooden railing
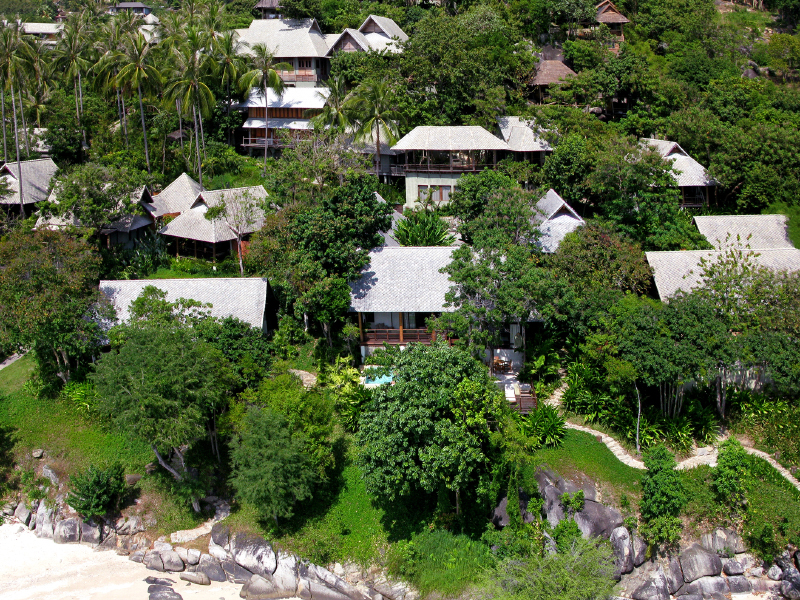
288, 76
439, 168
397, 336
525, 400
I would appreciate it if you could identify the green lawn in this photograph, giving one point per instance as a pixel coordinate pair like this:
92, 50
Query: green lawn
581, 453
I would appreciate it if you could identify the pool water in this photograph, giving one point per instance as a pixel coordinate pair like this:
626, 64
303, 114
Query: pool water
379, 380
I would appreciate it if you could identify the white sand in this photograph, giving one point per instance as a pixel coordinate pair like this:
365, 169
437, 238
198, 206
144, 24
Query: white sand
33, 568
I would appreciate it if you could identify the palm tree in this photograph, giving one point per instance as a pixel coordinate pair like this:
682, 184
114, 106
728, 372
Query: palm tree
187, 85
109, 44
375, 113
136, 68
71, 59
335, 114
263, 74
230, 64
40, 70
12, 66
211, 21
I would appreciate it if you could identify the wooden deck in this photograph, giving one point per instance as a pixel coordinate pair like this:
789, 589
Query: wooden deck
378, 337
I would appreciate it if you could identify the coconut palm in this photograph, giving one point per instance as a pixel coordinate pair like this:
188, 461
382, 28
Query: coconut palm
186, 85
137, 70
211, 21
335, 114
13, 63
375, 115
109, 44
230, 64
72, 60
41, 71
263, 74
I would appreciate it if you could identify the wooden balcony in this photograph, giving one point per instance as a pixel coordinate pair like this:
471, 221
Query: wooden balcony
524, 399
396, 337
255, 142
466, 167
292, 77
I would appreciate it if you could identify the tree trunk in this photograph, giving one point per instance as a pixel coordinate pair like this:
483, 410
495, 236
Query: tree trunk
180, 123
266, 126
228, 115
202, 135
24, 125
166, 465
458, 503
80, 94
197, 146
638, 416
239, 247
19, 164
144, 130
124, 119
5, 144
378, 152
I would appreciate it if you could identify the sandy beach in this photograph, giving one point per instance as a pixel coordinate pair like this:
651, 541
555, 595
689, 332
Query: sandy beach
35, 569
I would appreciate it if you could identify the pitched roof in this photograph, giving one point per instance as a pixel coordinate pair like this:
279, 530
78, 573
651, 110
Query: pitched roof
36, 177
242, 297
756, 231
302, 97
692, 173
177, 197
464, 137
555, 219
551, 71
268, 4
286, 38
608, 13
521, 135
193, 225
681, 270
358, 38
403, 279
387, 25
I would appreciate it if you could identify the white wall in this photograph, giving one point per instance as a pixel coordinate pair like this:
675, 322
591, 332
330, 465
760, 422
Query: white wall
414, 180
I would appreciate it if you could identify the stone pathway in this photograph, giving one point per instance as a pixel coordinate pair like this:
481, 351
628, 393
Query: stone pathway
222, 510
10, 360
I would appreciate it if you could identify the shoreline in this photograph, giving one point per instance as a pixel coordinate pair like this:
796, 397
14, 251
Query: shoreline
33, 568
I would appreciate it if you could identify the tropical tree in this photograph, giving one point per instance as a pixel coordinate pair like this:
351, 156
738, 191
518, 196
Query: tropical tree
334, 114
136, 69
12, 64
72, 60
376, 115
187, 86
230, 65
263, 74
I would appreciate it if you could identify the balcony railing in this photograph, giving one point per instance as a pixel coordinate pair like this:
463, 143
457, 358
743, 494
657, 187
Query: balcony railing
289, 77
440, 168
397, 336
256, 142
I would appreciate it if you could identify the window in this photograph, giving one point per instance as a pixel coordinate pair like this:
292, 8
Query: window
304, 63
438, 193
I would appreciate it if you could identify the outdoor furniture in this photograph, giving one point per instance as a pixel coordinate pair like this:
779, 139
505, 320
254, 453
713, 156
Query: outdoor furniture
525, 398
501, 365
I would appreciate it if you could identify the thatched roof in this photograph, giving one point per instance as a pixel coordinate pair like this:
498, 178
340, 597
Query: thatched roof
551, 71
608, 13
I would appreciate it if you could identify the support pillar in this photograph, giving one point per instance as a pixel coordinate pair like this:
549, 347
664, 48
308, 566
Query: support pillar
360, 328
401, 325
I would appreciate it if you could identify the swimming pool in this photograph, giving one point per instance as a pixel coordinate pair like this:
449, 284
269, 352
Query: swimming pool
379, 380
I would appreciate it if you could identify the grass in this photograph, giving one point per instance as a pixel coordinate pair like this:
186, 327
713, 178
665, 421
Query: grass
582, 454
72, 442
751, 19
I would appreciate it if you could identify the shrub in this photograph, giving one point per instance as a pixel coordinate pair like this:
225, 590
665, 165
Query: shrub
546, 424
80, 395
423, 228
436, 560
663, 497
97, 491
730, 476
565, 534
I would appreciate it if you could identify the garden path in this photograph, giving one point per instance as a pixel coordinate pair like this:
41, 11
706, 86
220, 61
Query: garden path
10, 360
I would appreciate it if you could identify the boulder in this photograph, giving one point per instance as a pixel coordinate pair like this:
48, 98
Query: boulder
234, 572
137, 556
757, 572
793, 575
705, 586
168, 594
109, 541
775, 573
190, 557
697, 562
723, 541
784, 561
152, 560
220, 534
552, 510
47, 471
22, 513
733, 567
654, 589
500, 513
570, 487
218, 551
321, 579
550, 544
259, 588
675, 579
172, 562
596, 520
739, 584
132, 479
797, 559
765, 585
157, 587
38, 453
790, 591
639, 547
623, 552
210, 566
150, 580
67, 531
544, 477
9, 508
130, 526
320, 591
286, 575
254, 554
90, 533
44, 521
197, 578
162, 547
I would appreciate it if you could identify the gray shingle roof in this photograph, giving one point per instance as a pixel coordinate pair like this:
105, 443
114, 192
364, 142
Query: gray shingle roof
358, 37
193, 225
389, 27
522, 135
681, 270
286, 38
36, 177
177, 197
243, 297
465, 137
692, 173
403, 279
555, 219
756, 231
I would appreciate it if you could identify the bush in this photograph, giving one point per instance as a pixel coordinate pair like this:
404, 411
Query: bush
731, 474
663, 497
423, 228
436, 560
565, 534
97, 491
545, 424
